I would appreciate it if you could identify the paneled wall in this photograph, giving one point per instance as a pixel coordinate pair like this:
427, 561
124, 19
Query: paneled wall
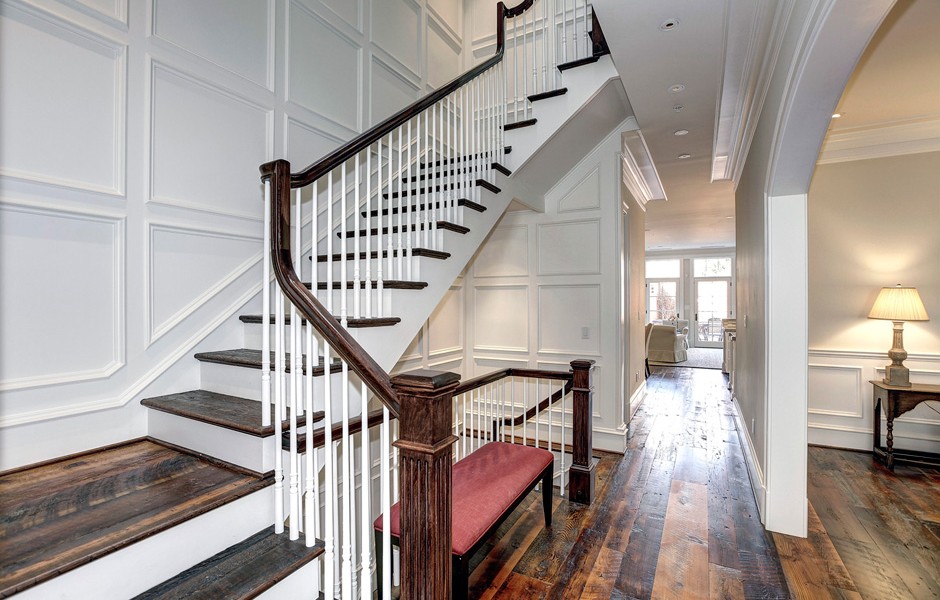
872, 223
546, 289
129, 194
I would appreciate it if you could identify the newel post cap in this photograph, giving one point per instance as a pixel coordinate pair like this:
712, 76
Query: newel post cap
425, 381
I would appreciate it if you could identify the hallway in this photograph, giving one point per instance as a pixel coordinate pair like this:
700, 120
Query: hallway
673, 517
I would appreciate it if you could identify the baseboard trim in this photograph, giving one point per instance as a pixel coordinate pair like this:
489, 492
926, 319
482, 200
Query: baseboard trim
754, 471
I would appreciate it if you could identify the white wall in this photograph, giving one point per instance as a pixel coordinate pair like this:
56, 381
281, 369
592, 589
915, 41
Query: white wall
872, 223
822, 41
129, 193
545, 288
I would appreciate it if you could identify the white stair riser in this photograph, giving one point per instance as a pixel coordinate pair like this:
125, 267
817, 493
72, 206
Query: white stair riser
372, 267
248, 451
149, 562
246, 383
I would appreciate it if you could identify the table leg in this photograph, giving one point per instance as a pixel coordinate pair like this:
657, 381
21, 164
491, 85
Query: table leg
876, 429
889, 438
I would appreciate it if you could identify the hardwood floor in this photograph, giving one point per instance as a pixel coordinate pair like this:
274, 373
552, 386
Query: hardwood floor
673, 518
873, 534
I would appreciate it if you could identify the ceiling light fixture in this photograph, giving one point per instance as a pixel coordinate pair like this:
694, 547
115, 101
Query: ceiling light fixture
684, 156
678, 108
676, 88
669, 24
836, 115
681, 132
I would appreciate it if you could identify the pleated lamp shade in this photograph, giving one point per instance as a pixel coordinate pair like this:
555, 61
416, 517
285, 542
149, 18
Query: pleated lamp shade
898, 303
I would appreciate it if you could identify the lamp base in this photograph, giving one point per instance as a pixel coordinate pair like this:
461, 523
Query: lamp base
897, 375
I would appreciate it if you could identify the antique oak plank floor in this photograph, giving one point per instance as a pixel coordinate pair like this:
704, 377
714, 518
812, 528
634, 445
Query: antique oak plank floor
60, 515
673, 518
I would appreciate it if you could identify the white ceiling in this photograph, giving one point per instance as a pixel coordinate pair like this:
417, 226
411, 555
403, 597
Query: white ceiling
897, 81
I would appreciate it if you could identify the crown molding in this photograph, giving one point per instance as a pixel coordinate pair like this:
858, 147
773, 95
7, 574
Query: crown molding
882, 140
639, 171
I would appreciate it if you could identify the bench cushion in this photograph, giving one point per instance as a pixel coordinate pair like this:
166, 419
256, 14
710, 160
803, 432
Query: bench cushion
486, 483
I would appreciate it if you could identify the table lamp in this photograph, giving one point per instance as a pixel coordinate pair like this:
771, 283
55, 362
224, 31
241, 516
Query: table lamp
898, 304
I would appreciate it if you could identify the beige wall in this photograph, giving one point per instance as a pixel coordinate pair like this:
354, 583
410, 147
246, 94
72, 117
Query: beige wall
872, 223
636, 278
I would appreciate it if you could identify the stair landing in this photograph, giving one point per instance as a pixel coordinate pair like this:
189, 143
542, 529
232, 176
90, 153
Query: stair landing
60, 515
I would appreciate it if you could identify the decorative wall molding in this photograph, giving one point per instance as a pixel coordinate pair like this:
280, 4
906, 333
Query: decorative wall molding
881, 140
131, 392
118, 293
158, 330
575, 331
156, 69
71, 32
267, 81
116, 15
857, 413
638, 171
823, 353
587, 243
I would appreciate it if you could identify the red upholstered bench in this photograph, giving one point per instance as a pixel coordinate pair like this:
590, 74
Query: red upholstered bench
488, 485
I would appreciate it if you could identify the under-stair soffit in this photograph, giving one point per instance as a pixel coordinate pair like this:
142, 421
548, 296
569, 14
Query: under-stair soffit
607, 109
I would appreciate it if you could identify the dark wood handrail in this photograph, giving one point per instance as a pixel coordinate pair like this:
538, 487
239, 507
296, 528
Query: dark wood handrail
480, 381
277, 174
374, 134
549, 401
375, 417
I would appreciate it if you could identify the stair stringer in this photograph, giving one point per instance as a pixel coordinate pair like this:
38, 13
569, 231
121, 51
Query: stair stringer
388, 344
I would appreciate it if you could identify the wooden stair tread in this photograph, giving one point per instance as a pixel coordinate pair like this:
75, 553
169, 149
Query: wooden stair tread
60, 515
350, 322
457, 159
432, 190
548, 94
579, 63
389, 284
499, 167
426, 252
446, 225
451, 172
222, 410
243, 571
434, 205
250, 358
520, 124
486, 185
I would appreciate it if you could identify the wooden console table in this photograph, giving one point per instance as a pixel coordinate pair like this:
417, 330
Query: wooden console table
897, 401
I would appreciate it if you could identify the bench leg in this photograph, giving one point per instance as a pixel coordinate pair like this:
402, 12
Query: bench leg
547, 496
460, 585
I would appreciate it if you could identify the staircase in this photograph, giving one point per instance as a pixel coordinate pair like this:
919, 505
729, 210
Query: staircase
364, 245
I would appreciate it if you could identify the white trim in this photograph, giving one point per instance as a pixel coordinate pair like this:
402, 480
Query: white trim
138, 386
868, 354
154, 331
637, 398
755, 474
882, 140
638, 170
119, 316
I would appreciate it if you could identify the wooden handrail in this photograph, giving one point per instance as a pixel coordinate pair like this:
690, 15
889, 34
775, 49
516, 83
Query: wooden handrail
480, 381
374, 418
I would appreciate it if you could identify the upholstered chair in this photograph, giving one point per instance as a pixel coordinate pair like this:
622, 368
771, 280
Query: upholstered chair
665, 345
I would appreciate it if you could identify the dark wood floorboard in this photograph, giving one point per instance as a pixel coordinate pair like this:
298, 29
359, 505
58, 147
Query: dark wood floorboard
674, 517
63, 514
872, 533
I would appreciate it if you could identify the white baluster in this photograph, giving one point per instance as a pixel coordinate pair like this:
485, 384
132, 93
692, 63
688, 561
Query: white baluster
329, 247
408, 234
357, 282
329, 538
349, 488
386, 557
401, 245
564, 31
266, 310
365, 562
278, 410
343, 241
368, 222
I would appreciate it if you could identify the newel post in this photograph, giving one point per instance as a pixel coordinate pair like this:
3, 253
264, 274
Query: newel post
581, 472
425, 442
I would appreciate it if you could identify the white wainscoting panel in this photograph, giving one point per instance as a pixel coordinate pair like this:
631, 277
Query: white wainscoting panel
505, 254
449, 14
569, 248
445, 325
397, 30
63, 109
349, 11
569, 319
443, 56
206, 146
584, 196
305, 143
62, 276
325, 68
113, 9
236, 35
507, 318
841, 409
190, 266
390, 91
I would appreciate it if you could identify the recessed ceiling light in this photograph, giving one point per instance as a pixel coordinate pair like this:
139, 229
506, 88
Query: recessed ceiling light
669, 24
684, 156
681, 132
678, 108
836, 115
729, 217
676, 88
